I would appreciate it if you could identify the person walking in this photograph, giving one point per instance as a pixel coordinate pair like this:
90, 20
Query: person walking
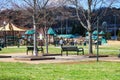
61, 42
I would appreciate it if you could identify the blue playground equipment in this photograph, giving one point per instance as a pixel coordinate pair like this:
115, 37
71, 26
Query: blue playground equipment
101, 35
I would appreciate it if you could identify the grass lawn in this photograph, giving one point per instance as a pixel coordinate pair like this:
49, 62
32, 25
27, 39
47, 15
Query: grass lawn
63, 71
13, 49
109, 49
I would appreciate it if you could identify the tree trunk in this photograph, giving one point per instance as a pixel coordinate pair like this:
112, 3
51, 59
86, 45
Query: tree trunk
90, 51
34, 25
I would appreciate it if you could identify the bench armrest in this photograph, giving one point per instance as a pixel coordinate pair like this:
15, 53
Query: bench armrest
80, 48
40, 48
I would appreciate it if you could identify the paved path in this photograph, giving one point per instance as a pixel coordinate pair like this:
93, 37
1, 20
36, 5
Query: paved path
58, 59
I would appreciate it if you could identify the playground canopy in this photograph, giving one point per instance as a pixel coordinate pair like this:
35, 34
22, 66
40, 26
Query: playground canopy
95, 32
51, 31
102, 33
67, 36
10, 33
10, 27
29, 32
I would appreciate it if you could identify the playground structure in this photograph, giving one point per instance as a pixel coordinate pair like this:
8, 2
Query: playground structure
10, 35
101, 35
29, 38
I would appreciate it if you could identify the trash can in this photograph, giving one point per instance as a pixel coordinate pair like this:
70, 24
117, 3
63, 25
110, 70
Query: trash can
99, 42
2, 45
84, 43
119, 54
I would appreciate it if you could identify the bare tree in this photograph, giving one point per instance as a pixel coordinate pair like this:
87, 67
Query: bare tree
38, 5
33, 8
4, 4
42, 10
85, 11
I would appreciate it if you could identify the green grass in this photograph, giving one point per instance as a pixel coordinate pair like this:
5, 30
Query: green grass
104, 49
13, 49
64, 71
67, 71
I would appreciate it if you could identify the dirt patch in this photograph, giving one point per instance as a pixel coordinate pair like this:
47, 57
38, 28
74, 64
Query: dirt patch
113, 42
79, 62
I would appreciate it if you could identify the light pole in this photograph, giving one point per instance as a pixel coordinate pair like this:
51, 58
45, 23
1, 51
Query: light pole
4, 23
97, 39
104, 25
46, 29
61, 23
66, 24
115, 27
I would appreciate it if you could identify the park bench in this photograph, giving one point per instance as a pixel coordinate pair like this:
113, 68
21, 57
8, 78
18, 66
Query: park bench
119, 54
71, 48
31, 48
0, 47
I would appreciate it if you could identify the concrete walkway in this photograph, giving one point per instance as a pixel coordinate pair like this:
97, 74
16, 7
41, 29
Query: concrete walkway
58, 59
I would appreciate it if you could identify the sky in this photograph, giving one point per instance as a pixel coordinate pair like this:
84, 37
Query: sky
8, 4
